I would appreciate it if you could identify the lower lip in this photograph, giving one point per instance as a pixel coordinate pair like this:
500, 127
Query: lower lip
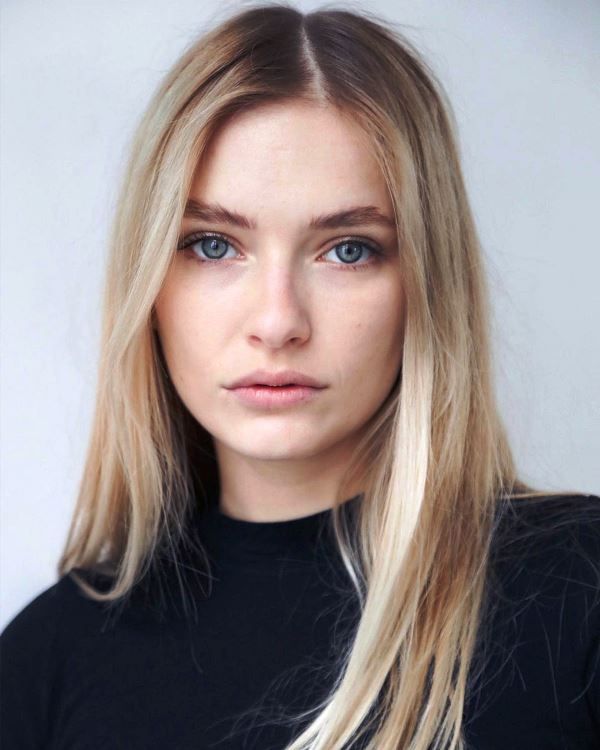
270, 397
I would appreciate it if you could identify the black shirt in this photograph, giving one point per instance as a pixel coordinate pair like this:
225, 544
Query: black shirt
223, 668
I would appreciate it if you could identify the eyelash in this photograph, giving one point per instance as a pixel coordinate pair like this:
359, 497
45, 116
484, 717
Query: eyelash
192, 239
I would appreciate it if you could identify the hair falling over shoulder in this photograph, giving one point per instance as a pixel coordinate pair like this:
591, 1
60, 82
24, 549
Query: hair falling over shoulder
438, 454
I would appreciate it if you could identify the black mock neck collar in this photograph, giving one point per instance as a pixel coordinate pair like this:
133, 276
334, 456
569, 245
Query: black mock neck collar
235, 541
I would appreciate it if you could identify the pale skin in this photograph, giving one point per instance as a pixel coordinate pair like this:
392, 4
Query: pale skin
280, 298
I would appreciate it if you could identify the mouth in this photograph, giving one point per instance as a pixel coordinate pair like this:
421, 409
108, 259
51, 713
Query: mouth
270, 397
282, 379
283, 385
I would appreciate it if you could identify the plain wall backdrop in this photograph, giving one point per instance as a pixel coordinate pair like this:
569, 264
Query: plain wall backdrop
523, 80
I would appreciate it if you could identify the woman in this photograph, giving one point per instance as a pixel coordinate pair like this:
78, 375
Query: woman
299, 523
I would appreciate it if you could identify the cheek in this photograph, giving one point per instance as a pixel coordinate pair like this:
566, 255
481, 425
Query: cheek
185, 334
357, 332
368, 334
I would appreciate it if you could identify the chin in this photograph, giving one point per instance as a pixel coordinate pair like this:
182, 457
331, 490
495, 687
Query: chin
274, 447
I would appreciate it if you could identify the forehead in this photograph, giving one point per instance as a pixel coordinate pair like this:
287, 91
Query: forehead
291, 155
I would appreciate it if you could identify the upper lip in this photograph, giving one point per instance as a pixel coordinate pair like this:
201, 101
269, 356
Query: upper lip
283, 377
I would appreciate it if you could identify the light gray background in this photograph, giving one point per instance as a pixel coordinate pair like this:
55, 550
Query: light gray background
523, 79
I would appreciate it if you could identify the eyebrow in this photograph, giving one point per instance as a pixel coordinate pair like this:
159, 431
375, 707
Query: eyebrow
348, 217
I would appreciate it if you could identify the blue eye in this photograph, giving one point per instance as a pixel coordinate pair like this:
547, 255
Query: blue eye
351, 250
207, 247
212, 245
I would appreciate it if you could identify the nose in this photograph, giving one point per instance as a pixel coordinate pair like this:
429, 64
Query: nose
277, 313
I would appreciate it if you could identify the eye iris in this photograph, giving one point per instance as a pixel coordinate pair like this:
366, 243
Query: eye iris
210, 244
349, 251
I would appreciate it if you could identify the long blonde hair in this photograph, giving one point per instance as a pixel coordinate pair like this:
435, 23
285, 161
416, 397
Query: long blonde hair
438, 460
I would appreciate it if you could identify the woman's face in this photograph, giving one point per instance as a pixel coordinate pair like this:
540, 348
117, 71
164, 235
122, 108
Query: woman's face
274, 292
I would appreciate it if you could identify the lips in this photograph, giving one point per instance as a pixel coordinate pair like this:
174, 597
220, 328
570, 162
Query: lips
281, 378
